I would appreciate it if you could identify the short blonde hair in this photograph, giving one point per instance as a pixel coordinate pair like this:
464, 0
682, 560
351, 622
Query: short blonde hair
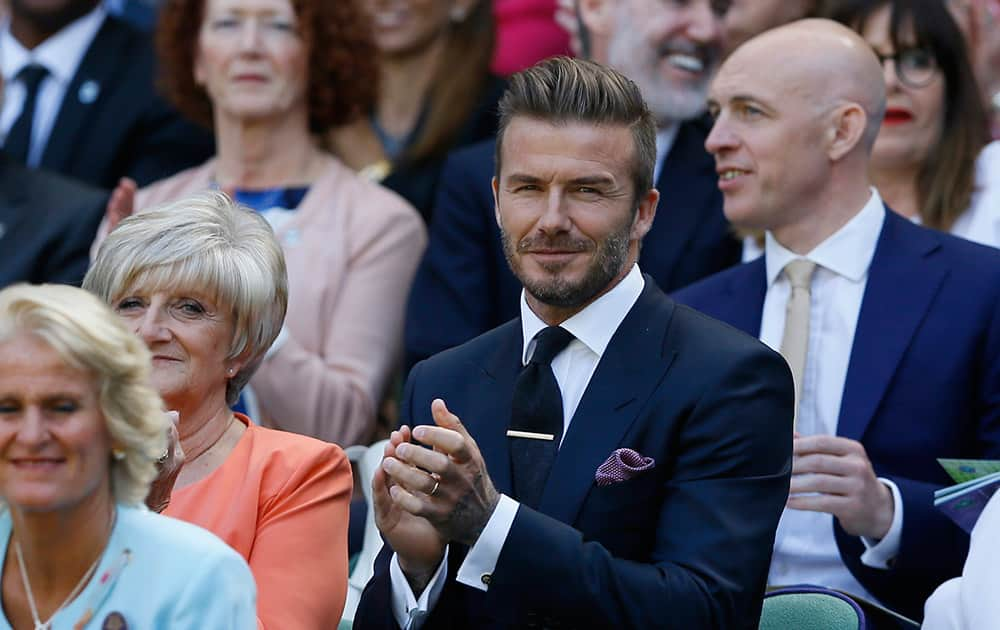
89, 337
210, 243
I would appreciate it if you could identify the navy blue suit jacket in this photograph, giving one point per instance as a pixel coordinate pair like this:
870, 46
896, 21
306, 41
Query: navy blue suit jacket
923, 382
684, 545
464, 286
113, 123
47, 224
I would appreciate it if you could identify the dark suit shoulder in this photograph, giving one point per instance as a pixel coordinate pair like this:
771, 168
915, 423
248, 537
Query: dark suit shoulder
476, 159
48, 192
476, 351
696, 294
713, 341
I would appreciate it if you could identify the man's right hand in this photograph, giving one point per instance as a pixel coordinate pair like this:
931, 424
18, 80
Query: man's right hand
415, 540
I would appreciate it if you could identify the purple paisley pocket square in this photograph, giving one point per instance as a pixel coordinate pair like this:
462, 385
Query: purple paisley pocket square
623, 464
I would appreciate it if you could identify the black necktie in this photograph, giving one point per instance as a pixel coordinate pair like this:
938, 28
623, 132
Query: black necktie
18, 143
537, 409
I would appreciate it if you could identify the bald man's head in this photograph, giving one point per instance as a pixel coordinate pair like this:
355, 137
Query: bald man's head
797, 112
832, 63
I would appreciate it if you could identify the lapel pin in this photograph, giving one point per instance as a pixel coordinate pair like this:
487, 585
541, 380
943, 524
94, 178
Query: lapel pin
531, 436
3, 230
89, 92
114, 621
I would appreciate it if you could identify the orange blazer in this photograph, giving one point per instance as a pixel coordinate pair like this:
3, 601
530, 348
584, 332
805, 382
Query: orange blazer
280, 500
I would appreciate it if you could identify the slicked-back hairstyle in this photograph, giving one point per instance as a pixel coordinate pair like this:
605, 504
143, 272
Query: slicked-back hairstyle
562, 90
947, 177
211, 244
88, 337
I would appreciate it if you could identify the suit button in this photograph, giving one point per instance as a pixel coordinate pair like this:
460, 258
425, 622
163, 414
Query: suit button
486, 578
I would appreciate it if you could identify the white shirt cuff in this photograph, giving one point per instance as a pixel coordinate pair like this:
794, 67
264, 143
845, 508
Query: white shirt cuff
410, 612
879, 553
277, 343
477, 569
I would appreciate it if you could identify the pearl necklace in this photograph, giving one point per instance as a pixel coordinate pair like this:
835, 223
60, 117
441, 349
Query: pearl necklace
89, 573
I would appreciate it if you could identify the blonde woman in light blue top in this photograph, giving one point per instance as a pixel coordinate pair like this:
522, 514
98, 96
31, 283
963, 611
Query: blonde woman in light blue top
81, 430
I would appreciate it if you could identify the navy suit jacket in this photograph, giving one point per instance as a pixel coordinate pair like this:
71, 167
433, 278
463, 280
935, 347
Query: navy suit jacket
124, 128
464, 286
686, 544
47, 224
923, 382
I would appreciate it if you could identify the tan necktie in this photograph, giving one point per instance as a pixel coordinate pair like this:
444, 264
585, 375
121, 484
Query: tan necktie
795, 339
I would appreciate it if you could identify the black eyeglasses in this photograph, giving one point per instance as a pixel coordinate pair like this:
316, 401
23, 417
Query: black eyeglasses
915, 67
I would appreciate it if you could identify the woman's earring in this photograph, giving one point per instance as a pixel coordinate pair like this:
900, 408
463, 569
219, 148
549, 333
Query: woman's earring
457, 14
118, 454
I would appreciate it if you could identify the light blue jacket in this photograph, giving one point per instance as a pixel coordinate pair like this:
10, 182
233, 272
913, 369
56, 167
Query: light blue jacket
159, 572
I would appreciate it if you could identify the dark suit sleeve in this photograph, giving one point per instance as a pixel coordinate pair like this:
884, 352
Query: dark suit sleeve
454, 294
932, 548
69, 257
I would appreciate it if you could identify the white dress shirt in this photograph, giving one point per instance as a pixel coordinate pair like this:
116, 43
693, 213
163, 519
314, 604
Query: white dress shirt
805, 550
592, 328
61, 55
970, 602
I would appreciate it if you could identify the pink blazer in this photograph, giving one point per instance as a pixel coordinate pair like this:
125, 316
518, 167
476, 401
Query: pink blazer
352, 250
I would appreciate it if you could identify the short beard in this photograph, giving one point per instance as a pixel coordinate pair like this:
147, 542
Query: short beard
608, 263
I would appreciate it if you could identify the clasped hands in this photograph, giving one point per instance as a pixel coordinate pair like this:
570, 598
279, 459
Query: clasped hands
426, 498
834, 475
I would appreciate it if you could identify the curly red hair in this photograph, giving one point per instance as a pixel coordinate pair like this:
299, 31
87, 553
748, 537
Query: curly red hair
343, 68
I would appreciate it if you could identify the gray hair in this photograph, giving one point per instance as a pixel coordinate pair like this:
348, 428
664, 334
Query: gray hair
563, 90
90, 338
210, 243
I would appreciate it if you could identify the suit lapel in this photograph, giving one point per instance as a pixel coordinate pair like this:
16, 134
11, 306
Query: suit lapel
745, 289
687, 196
633, 365
494, 390
903, 279
84, 94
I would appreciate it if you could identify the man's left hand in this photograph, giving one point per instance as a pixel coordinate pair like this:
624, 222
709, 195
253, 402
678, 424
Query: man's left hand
449, 485
839, 478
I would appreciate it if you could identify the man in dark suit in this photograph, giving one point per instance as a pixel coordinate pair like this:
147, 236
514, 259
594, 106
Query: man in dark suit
81, 99
464, 287
47, 224
892, 330
642, 450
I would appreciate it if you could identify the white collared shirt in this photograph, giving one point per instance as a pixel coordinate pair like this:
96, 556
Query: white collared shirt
61, 55
592, 328
805, 550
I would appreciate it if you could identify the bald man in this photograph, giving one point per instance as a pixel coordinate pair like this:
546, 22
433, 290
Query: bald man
892, 330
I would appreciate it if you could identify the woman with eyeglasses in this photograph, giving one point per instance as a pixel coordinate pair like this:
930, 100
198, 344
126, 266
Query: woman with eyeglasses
932, 161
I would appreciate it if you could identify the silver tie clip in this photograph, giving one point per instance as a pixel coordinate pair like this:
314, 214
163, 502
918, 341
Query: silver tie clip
531, 436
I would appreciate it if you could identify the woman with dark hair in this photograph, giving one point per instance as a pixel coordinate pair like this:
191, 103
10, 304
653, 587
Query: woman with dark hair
435, 93
269, 76
931, 161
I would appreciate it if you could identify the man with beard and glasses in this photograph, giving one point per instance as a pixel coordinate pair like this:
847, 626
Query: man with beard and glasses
80, 97
630, 438
671, 49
